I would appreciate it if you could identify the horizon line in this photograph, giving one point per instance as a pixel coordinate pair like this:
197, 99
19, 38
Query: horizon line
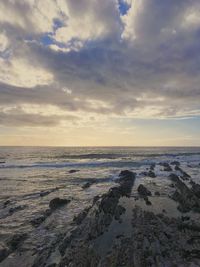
106, 146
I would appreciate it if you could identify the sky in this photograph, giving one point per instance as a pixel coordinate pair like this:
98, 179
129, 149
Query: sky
100, 73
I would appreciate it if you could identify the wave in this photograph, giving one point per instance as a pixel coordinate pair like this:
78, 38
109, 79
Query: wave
93, 164
125, 156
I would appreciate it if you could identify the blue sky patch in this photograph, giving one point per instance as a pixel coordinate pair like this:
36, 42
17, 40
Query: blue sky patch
123, 7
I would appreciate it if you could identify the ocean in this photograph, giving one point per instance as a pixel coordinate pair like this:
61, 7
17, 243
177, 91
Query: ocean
31, 177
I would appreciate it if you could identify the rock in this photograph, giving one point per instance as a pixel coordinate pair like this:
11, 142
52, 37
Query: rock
17, 208
6, 203
81, 216
184, 175
73, 171
188, 226
87, 185
177, 163
144, 173
157, 193
126, 181
119, 211
185, 218
196, 189
151, 174
187, 199
176, 196
174, 177
109, 201
95, 199
47, 212
126, 175
41, 218
168, 168
147, 201
4, 252
44, 193
38, 220
58, 202
16, 241
152, 166
143, 191
150, 240
2, 162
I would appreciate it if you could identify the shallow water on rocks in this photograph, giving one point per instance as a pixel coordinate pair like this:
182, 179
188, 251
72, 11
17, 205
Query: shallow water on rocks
31, 177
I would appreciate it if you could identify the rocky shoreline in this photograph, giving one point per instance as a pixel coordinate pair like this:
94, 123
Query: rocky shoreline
122, 227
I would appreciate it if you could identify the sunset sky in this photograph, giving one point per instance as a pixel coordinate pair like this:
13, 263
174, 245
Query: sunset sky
100, 72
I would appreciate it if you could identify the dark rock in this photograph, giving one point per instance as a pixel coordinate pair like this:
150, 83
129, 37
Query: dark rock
184, 175
119, 211
144, 173
191, 254
176, 196
126, 181
81, 216
17, 208
184, 195
41, 218
47, 212
151, 174
6, 203
143, 191
73, 171
185, 218
147, 201
152, 166
87, 185
16, 241
58, 202
95, 199
4, 252
38, 220
2, 162
125, 173
196, 189
168, 169
174, 177
177, 163
157, 193
184, 208
83, 256
109, 201
166, 166
188, 226
44, 193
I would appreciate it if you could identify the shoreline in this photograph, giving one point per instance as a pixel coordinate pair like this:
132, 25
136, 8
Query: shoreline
130, 225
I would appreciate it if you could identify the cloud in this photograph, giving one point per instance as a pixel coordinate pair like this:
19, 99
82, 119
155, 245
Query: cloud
19, 72
17, 117
138, 59
89, 20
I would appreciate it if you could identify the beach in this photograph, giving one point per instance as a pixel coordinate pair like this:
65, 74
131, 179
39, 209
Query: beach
100, 207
